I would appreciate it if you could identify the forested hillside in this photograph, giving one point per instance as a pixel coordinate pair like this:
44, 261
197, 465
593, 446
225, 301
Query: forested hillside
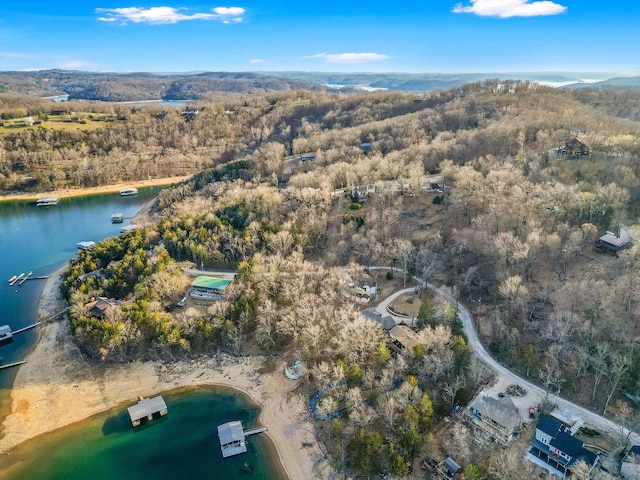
509, 229
136, 87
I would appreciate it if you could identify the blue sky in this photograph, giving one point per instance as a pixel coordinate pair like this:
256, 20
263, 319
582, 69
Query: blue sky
330, 35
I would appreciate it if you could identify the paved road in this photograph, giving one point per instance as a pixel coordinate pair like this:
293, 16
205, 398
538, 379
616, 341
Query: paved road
566, 409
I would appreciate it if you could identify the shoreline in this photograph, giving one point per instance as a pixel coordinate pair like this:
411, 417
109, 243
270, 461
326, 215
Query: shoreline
81, 192
59, 387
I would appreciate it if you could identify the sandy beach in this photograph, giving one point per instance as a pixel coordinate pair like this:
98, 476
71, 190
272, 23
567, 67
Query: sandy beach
58, 387
79, 192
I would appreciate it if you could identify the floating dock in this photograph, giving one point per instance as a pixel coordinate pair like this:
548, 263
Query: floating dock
47, 201
6, 335
233, 438
24, 279
14, 364
146, 408
127, 192
117, 218
20, 279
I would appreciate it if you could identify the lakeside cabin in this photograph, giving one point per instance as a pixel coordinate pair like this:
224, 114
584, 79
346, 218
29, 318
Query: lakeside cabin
209, 288
47, 201
147, 408
127, 192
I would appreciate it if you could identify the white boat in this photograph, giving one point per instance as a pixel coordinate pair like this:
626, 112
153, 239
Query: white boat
126, 192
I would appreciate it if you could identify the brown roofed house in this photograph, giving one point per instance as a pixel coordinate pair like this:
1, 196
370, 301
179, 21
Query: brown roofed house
98, 307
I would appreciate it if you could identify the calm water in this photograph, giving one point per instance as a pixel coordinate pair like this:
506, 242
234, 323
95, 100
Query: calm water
41, 240
182, 445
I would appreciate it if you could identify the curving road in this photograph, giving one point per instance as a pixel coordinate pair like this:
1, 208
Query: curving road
566, 409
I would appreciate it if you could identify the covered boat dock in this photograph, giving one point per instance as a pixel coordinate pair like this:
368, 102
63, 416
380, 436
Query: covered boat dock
146, 408
233, 437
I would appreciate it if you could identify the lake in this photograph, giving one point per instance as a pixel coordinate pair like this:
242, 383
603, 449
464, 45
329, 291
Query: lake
181, 445
41, 239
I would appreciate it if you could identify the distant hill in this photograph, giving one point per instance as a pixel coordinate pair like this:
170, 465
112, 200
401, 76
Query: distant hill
610, 82
120, 87
421, 82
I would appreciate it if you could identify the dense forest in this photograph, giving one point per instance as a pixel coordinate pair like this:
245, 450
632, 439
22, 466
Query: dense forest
510, 233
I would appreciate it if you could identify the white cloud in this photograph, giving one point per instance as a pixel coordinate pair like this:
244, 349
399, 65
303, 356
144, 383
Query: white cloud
350, 57
167, 15
233, 11
510, 8
256, 60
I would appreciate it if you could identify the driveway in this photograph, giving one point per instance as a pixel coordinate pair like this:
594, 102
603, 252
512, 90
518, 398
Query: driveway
565, 410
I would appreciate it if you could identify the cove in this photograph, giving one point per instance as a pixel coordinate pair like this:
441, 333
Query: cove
181, 445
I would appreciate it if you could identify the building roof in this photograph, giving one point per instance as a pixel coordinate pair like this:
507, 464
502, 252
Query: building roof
614, 240
146, 407
550, 425
385, 321
230, 432
567, 444
210, 282
502, 411
5, 331
405, 336
451, 465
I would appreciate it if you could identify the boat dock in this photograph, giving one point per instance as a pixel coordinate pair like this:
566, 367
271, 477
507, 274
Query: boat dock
146, 409
24, 279
233, 438
47, 201
20, 279
117, 218
6, 335
14, 364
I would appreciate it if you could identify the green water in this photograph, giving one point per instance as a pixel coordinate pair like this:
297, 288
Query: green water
182, 445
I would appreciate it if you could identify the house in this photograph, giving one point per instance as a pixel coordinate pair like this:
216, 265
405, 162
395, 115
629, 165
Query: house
497, 418
434, 183
386, 322
612, 242
555, 449
630, 468
403, 338
307, 157
61, 111
209, 288
574, 148
190, 114
366, 147
98, 307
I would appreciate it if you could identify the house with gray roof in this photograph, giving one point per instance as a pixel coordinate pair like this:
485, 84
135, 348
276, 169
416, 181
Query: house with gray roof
498, 419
